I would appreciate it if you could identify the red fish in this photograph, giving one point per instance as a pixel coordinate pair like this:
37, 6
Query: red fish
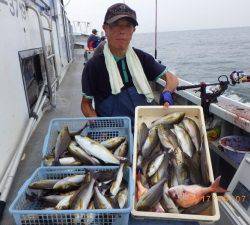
190, 195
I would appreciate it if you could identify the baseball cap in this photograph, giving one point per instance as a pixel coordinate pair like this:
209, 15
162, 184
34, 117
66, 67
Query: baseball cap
119, 11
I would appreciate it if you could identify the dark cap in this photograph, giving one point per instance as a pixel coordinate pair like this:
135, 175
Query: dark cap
119, 11
94, 31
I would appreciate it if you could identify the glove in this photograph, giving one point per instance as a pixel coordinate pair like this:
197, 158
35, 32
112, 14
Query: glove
166, 96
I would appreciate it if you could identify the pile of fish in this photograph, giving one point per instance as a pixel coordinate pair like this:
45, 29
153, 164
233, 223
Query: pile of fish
90, 190
72, 149
172, 172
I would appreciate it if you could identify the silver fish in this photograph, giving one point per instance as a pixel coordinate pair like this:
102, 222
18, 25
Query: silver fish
46, 184
96, 149
150, 143
84, 195
149, 199
122, 150
169, 119
162, 172
101, 201
193, 131
184, 140
204, 165
139, 161
64, 203
166, 202
69, 182
80, 154
69, 161
122, 197
142, 135
62, 142
173, 181
113, 143
155, 164
115, 187
163, 136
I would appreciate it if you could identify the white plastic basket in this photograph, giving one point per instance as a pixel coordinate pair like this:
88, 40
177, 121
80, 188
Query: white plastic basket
149, 114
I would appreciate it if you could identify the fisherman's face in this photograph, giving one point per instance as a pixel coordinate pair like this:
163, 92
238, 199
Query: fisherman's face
119, 34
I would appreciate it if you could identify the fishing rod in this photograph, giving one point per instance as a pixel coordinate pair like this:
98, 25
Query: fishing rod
236, 77
155, 29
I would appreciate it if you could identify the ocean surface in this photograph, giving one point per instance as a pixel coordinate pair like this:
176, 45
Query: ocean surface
203, 55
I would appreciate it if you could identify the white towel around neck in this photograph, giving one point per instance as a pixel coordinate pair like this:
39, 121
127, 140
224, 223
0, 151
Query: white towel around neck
135, 68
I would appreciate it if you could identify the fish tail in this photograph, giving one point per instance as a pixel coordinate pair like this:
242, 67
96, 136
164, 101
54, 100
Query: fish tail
215, 186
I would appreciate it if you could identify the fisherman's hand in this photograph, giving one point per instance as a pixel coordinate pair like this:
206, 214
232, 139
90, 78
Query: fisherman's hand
166, 99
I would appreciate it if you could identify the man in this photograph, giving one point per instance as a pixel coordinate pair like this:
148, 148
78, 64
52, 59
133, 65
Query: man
93, 40
117, 79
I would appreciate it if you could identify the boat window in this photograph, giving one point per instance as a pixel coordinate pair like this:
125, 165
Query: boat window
33, 70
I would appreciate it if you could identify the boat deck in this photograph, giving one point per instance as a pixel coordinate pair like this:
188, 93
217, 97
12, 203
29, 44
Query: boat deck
68, 105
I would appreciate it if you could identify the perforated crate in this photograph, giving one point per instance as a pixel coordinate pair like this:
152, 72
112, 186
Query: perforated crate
28, 213
100, 129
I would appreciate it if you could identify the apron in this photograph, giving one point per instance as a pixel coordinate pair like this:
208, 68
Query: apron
122, 104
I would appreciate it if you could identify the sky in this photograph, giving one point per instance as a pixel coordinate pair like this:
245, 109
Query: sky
172, 14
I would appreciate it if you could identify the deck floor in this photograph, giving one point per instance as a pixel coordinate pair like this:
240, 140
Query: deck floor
68, 105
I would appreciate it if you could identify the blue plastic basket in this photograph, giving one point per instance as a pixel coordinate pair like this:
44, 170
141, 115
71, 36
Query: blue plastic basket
100, 129
27, 213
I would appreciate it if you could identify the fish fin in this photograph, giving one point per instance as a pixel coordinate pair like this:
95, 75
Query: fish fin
215, 186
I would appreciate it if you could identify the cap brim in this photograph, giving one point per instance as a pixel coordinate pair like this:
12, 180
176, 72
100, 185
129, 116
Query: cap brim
118, 17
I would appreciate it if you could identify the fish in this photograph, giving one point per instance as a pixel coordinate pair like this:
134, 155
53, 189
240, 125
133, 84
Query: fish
161, 172
142, 135
194, 167
83, 196
139, 161
104, 176
156, 150
169, 119
101, 202
173, 181
62, 142
122, 198
113, 143
193, 131
155, 164
150, 143
115, 187
166, 202
177, 159
46, 184
122, 150
184, 140
69, 161
81, 155
69, 182
96, 149
163, 136
150, 198
189, 195
204, 165
64, 203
